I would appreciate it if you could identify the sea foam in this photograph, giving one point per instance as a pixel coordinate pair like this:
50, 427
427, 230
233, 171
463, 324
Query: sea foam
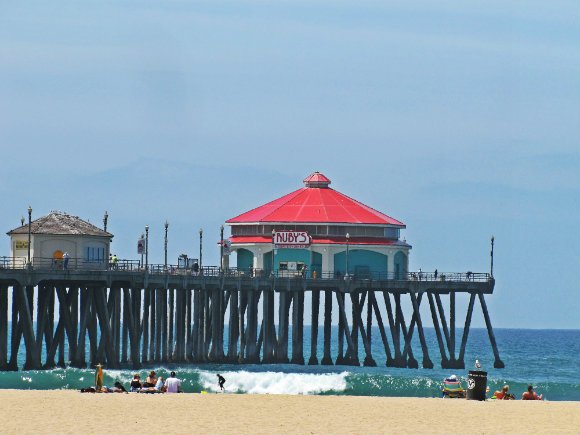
276, 382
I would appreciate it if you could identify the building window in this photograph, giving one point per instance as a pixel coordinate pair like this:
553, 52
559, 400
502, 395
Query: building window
392, 233
94, 255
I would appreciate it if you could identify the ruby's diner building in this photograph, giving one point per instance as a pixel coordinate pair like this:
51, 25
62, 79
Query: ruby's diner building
319, 232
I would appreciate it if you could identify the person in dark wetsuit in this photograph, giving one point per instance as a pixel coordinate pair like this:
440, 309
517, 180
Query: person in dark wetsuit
221, 381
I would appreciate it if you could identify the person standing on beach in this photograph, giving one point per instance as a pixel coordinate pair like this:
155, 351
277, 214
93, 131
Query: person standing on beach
173, 384
99, 377
221, 381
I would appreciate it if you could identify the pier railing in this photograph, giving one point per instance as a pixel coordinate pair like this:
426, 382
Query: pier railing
135, 266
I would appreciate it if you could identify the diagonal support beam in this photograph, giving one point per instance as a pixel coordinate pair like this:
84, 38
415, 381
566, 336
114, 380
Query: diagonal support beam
342, 313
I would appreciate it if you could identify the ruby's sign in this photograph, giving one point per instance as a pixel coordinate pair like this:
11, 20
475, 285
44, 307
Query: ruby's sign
291, 239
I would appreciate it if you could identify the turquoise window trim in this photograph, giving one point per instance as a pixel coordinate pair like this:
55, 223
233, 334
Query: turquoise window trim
245, 259
362, 263
400, 265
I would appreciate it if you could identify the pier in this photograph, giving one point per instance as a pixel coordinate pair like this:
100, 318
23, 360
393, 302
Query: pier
312, 247
132, 316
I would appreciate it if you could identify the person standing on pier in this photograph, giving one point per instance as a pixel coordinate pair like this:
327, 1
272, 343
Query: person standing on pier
65, 260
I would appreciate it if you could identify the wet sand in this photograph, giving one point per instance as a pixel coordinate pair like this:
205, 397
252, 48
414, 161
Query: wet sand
70, 412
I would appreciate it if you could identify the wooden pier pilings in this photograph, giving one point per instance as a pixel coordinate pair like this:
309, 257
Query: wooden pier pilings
131, 319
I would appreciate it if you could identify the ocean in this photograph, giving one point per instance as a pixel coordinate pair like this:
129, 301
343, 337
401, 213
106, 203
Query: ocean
547, 359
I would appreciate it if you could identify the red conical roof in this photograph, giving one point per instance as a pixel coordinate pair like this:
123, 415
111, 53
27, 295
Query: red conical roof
316, 203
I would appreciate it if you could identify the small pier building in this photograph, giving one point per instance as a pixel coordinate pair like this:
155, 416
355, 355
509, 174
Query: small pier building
55, 234
317, 231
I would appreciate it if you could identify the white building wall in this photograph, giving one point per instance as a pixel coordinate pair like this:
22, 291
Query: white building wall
44, 246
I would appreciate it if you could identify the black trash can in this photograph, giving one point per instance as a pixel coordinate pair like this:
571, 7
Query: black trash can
476, 385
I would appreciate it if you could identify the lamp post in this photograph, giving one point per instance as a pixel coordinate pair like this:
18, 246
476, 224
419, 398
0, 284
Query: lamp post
105, 220
492, 242
221, 247
146, 247
166, 226
200, 249
273, 249
142, 249
347, 240
29, 232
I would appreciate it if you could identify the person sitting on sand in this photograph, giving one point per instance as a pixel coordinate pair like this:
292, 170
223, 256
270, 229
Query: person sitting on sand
531, 394
88, 390
136, 383
452, 388
173, 384
150, 381
160, 385
504, 394
118, 388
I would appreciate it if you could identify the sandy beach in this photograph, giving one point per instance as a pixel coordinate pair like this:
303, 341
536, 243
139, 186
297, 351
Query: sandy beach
70, 412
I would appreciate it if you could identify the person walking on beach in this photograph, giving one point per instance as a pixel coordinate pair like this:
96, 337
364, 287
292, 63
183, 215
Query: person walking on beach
173, 384
221, 381
531, 394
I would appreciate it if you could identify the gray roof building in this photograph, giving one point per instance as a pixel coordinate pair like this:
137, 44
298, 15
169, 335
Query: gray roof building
59, 223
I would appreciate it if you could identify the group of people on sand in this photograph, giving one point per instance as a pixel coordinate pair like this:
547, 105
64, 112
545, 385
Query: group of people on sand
154, 384
453, 389
504, 394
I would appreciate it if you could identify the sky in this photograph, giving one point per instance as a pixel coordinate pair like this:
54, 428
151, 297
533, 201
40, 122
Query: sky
459, 118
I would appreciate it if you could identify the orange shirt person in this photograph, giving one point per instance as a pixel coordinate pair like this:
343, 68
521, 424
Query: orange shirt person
504, 394
531, 394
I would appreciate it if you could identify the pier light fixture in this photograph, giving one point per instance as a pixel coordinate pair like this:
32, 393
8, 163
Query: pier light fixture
105, 220
491, 254
142, 249
273, 249
200, 250
29, 232
221, 247
146, 247
347, 243
166, 226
